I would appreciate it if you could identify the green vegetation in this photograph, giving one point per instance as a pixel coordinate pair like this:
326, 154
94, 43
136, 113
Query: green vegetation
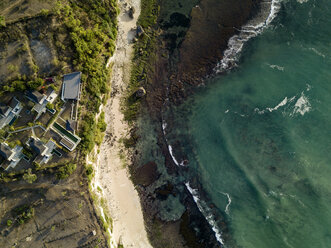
91, 40
9, 222
23, 213
100, 129
35, 83
19, 85
142, 56
89, 172
2, 21
66, 170
12, 68
50, 105
29, 176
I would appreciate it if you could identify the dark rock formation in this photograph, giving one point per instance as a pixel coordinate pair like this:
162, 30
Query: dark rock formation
131, 12
146, 174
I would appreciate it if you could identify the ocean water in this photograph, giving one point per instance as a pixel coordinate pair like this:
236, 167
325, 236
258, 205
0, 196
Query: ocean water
258, 139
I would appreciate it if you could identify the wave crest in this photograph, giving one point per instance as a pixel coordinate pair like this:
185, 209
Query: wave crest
248, 31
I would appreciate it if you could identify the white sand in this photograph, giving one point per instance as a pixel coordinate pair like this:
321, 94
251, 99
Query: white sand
118, 190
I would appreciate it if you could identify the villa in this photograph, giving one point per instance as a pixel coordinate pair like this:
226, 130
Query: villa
10, 156
9, 111
44, 151
41, 100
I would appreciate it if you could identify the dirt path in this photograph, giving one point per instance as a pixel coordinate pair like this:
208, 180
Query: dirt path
122, 198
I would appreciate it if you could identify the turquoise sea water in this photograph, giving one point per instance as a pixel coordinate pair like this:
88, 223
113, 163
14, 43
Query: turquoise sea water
259, 138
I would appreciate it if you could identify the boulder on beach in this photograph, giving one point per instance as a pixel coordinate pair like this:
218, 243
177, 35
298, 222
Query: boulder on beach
131, 12
140, 92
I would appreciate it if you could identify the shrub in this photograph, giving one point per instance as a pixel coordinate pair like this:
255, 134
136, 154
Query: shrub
29, 176
89, 172
2, 21
9, 222
66, 170
23, 213
19, 85
35, 84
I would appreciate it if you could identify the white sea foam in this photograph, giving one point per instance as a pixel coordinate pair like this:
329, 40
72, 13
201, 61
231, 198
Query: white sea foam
236, 43
206, 212
227, 210
317, 52
281, 104
280, 68
164, 126
302, 105
172, 155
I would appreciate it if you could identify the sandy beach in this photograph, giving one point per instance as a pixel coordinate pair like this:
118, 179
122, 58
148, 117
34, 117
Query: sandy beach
111, 175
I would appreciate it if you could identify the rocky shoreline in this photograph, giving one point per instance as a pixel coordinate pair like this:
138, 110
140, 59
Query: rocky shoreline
193, 37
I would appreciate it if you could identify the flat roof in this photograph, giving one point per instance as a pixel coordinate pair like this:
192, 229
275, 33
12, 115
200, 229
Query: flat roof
71, 86
67, 143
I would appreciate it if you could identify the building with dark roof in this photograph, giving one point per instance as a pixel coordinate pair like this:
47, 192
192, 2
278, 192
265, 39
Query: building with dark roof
4, 110
11, 156
9, 111
41, 100
13, 103
71, 86
37, 145
36, 96
44, 151
6, 151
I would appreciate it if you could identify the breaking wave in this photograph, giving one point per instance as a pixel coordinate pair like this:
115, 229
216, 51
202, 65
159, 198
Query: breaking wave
301, 106
164, 126
227, 207
248, 31
206, 211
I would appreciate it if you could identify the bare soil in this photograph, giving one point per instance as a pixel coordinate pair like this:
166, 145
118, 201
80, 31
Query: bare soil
13, 10
64, 215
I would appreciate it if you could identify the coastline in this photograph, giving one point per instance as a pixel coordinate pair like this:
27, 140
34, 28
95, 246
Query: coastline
177, 75
112, 180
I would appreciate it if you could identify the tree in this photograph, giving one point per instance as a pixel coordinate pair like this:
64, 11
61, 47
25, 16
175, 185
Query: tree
9, 222
29, 176
2, 21
50, 105
35, 84
65, 171
19, 85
